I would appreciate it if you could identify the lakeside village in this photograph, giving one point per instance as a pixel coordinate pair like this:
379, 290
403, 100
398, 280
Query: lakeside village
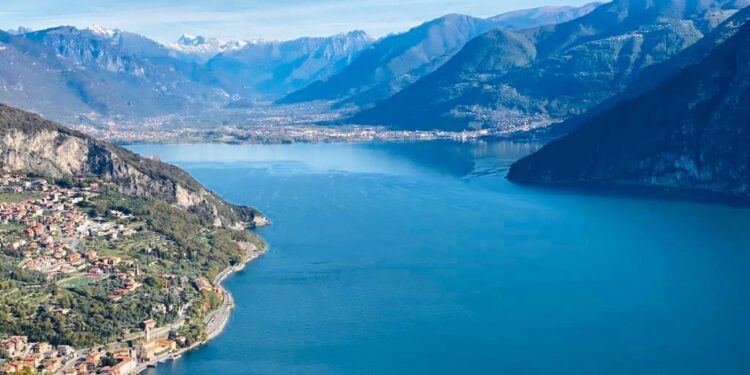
44, 225
279, 134
265, 123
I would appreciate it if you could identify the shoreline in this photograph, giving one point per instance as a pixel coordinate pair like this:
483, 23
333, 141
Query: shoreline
223, 313
286, 135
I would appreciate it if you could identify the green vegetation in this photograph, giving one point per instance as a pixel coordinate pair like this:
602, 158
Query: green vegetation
186, 243
75, 281
25, 372
194, 332
16, 197
171, 247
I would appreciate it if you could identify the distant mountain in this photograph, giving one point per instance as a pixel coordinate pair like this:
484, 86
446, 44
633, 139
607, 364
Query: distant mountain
397, 61
276, 68
200, 49
552, 72
66, 71
549, 15
689, 132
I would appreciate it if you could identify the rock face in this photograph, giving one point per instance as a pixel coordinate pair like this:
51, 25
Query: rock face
575, 66
399, 60
31, 144
689, 132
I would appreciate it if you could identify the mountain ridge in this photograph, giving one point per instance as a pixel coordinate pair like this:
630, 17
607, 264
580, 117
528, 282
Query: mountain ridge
655, 74
399, 60
66, 71
611, 45
689, 132
545, 15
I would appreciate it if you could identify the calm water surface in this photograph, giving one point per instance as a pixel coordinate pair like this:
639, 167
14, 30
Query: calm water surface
421, 258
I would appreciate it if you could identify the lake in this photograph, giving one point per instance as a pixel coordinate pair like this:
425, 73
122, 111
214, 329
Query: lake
411, 258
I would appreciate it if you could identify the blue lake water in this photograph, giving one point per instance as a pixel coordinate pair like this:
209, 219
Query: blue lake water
421, 258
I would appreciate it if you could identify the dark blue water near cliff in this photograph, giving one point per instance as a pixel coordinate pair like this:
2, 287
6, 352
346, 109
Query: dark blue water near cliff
421, 258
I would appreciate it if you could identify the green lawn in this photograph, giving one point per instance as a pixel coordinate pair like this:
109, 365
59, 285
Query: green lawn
17, 197
12, 227
76, 281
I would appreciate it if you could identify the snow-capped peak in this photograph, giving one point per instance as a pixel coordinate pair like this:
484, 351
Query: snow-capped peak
189, 40
204, 48
102, 31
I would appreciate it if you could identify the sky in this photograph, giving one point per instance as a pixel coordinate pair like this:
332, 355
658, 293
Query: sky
166, 20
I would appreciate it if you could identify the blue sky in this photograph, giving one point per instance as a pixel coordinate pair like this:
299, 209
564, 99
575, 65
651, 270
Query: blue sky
166, 20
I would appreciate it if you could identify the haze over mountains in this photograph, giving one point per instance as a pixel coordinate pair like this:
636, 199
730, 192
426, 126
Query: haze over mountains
519, 80
689, 132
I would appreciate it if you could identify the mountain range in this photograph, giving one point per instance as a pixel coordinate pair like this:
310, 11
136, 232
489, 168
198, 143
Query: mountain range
274, 68
101, 74
653, 75
399, 60
688, 132
201, 49
64, 71
514, 72
519, 80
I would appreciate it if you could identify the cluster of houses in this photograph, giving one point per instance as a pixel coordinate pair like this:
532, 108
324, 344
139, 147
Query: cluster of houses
20, 355
38, 357
47, 228
128, 282
128, 359
54, 226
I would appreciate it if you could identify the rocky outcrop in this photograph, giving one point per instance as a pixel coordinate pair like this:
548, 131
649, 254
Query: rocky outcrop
32, 144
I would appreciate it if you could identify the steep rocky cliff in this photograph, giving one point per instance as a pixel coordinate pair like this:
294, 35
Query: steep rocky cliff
32, 144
